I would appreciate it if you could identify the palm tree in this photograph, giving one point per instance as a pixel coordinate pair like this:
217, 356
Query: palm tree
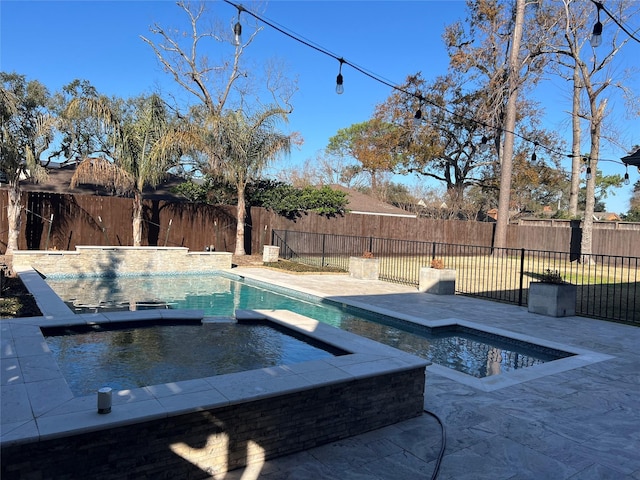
145, 146
26, 131
240, 147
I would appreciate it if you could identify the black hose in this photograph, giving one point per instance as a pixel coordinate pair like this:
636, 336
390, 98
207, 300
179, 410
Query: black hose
436, 469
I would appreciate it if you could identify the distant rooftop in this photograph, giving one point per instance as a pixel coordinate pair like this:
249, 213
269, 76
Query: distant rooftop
363, 204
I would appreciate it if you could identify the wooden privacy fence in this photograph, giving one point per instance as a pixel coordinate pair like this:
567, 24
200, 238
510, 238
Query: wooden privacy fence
62, 221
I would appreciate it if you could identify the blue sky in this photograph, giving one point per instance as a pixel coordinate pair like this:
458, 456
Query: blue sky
56, 42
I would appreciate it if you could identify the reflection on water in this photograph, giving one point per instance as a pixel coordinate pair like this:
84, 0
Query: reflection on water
137, 357
468, 352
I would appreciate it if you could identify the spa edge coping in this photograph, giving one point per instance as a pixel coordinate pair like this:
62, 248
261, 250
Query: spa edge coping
38, 404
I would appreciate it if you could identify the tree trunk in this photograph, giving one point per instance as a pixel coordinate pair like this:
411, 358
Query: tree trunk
575, 148
240, 216
137, 219
14, 216
597, 114
506, 167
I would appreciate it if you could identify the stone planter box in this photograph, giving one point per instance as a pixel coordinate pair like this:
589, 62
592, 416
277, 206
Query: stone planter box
441, 281
270, 254
552, 299
364, 268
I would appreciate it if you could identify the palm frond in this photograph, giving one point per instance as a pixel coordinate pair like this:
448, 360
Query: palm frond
100, 171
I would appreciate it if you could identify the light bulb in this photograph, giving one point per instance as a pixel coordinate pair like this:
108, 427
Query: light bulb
339, 86
237, 32
417, 118
626, 178
534, 157
588, 173
484, 144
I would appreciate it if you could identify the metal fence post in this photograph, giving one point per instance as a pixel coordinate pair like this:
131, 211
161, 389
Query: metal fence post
521, 291
46, 245
324, 236
166, 237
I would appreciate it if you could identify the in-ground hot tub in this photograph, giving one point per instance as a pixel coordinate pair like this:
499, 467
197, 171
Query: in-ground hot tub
199, 427
126, 355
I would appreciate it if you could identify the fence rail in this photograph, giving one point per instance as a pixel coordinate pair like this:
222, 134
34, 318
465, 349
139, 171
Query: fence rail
608, 286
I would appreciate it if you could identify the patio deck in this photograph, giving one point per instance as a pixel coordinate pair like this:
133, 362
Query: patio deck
582, 423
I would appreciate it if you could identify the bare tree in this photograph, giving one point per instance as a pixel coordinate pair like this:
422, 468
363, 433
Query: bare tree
323, 169
223, 87
591, 76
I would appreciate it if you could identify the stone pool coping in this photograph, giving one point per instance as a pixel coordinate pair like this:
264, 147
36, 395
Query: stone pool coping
37, 404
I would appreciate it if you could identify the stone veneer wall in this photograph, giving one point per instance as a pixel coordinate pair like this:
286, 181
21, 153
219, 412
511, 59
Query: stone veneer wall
89, 260
205, 443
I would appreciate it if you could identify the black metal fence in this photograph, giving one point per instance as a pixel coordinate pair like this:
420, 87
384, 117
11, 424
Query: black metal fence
608, 286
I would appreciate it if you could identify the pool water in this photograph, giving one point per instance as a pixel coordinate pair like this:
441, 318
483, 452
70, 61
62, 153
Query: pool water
128, 357
468, 351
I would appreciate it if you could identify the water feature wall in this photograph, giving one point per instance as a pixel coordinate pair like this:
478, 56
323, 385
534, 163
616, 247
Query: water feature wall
102, 260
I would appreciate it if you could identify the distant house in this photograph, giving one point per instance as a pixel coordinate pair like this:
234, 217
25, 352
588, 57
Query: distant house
363, 204
59, 181
606, 217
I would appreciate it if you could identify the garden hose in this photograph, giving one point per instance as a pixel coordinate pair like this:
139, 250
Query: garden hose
436, 469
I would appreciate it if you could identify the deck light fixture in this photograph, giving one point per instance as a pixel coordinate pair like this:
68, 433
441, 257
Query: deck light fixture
104, 400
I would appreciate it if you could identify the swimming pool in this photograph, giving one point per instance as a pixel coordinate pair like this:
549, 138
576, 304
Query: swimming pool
466, 350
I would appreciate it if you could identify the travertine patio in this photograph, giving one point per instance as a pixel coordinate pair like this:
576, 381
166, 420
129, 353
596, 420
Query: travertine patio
582, 423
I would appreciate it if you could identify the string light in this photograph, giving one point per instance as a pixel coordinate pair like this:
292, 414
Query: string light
534, 157
421, 99
597, 28
596, 36
626, 175
339, 79
237, 28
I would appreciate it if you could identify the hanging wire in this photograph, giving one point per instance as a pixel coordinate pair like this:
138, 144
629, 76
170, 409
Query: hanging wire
308, 43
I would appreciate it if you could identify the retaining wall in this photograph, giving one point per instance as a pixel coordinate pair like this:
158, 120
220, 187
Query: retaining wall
210, 442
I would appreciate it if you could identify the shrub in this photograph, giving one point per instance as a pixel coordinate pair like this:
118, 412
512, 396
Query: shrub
550, 276
437, 263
